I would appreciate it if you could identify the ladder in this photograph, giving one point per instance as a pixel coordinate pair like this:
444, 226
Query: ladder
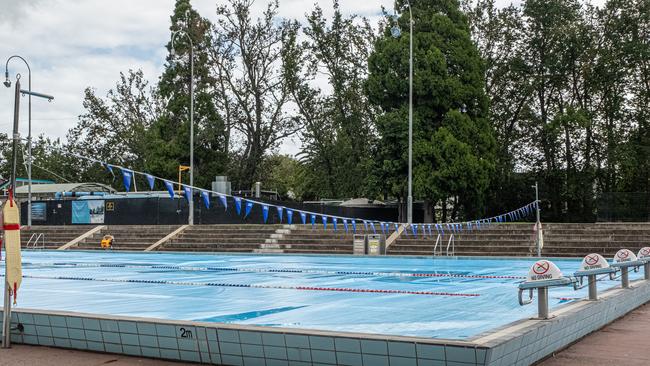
34, 239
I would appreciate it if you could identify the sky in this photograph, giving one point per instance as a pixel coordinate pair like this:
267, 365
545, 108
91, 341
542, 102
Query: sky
75, 44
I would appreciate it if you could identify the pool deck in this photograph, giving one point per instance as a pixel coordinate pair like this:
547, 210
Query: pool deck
24, 355
624, 342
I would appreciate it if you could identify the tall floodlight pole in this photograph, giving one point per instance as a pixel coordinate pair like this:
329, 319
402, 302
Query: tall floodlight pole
29, 132
538, 222
396, 33
190, 218
6, 316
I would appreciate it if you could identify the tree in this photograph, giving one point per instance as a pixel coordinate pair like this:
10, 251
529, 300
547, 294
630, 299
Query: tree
113, 128
246, 59
337, 138
448, 77
169, 136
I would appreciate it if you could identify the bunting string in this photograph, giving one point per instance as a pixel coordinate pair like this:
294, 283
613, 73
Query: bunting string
426, 229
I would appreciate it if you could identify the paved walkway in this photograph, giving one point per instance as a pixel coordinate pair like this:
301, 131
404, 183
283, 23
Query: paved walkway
622, 343
22, 355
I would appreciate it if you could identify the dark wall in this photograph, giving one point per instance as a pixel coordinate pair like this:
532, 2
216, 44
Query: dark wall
166, 211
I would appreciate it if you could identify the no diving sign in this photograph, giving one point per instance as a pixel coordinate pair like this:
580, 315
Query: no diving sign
544, 270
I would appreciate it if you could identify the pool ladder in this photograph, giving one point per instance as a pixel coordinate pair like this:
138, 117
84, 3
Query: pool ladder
33, 241
450, 243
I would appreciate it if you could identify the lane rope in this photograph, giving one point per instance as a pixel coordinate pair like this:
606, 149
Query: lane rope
219, 284
274, 270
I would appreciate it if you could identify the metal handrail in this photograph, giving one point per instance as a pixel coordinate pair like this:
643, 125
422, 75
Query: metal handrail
39, 236
451, 242
436, 246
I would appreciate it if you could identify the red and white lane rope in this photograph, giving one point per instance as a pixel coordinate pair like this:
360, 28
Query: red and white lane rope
274, 270
220, 284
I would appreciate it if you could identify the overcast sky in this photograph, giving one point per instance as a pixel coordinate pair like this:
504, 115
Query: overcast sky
74, 44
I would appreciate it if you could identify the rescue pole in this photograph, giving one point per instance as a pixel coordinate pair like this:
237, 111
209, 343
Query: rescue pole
11, 226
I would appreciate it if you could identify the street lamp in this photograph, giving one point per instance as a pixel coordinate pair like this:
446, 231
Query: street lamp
7, 83
538, 224
395, 31
190, 219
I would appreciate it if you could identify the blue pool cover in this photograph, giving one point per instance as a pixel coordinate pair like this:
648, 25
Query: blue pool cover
441, 297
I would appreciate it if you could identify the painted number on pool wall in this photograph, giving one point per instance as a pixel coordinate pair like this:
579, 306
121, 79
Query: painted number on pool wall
185, 333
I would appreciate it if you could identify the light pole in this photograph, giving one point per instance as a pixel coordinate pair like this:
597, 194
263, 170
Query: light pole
6, 316
395, 31
538, 223
7, 83
190, 219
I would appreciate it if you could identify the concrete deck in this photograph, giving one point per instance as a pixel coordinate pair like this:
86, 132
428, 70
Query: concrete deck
622, 343
23, 355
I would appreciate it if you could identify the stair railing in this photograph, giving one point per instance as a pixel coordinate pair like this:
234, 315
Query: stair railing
33, 241
451, 243
438, 240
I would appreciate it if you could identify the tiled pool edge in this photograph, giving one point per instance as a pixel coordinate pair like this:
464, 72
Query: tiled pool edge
527, 341
521, 343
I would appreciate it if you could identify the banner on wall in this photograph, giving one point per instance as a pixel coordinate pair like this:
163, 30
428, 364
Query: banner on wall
88, 212
39, 211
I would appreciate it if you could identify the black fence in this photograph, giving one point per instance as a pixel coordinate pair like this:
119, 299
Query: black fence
623, 206
166, 211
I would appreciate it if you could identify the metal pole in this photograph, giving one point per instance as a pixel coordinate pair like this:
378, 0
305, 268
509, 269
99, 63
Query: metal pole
29, 151
542, 302
191, 199
538, 222
409, 208
646, 271
625, 278
6, 314
29, 137
593, 291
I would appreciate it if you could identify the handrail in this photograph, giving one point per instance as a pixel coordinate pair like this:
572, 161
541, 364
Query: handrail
436, 246
451, 242
35, 243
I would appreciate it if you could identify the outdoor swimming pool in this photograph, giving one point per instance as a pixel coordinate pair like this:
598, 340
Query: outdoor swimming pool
454, 298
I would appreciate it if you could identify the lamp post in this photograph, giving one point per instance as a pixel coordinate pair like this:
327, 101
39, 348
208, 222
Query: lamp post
538, 223
6, 316
7, 83
395, 31
190, 219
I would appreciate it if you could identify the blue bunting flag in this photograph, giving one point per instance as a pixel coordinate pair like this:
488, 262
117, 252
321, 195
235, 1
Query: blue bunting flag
238, 205
188, 193
249, 208
279, 209
151, 180
127, 175
265, 212
206, 199
170, 188
224, 201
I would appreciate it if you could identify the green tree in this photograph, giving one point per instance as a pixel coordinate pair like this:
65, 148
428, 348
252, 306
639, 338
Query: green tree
337, 136
111, 130
169, 136
246, 61
448, 77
